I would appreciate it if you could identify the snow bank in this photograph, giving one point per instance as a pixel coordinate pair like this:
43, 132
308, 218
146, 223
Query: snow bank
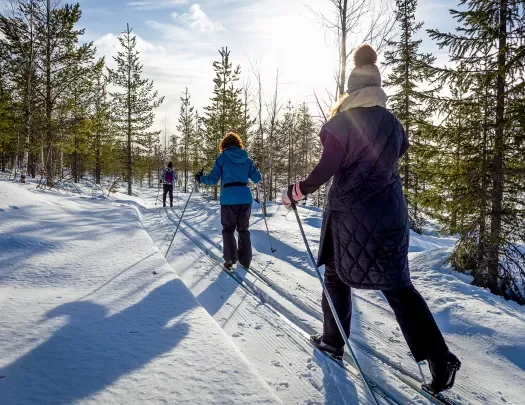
92, 313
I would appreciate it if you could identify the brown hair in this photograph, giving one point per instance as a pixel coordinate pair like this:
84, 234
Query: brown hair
230, 139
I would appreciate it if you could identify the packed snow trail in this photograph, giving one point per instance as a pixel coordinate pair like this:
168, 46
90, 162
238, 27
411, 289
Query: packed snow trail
493, 369
273, 344
384, 392
92, 313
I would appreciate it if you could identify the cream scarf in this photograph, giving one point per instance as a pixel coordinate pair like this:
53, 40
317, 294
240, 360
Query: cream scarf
365, 97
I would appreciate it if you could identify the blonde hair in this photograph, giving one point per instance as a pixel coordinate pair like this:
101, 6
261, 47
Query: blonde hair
336, 107
230, 139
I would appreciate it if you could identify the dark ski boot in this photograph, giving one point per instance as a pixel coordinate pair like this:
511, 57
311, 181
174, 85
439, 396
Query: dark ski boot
228, 264
334, 352
443, 372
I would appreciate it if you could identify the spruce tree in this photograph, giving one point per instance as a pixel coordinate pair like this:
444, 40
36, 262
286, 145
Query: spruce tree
187, 130
409, 71
132, 106
488, 52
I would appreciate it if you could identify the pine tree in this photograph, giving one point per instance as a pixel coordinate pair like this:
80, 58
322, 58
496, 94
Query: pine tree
409, 71
19, 49
101, 123
133, 107
489, 55
187, 130
60, 63
8, 120
225, 112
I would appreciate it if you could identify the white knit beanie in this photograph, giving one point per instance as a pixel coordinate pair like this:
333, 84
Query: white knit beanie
365, 73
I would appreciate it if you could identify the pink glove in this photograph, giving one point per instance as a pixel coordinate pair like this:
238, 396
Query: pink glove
297, 195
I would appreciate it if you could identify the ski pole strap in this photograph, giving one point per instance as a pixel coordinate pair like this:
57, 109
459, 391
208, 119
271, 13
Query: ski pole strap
290, 196
235, 183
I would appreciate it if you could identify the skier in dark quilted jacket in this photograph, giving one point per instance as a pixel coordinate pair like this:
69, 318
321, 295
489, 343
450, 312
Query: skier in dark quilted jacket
365, 231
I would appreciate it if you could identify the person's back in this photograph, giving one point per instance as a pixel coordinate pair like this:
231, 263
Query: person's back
168, 176
237, 170
373, 140
234, 169
168, 179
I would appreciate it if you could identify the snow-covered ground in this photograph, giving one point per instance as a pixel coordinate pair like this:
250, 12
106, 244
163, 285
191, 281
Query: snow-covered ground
86, 319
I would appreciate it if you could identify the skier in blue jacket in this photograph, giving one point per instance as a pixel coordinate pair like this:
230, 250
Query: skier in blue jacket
234, 168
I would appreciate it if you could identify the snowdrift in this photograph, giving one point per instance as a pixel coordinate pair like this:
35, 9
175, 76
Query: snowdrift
92, 312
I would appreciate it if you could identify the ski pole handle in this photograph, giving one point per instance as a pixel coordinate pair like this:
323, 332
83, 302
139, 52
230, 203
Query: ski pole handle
290, 196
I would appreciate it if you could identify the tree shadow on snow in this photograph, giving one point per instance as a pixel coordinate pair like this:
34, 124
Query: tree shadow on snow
93, 349
36, 237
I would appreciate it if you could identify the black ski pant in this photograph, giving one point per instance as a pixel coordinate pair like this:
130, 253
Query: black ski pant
236, 218
168, 188
412, 314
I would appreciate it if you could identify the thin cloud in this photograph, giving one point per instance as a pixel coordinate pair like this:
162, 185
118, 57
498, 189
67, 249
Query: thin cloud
197, 19
155, 4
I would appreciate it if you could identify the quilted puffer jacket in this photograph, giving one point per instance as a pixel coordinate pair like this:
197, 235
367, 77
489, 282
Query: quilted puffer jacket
366, 208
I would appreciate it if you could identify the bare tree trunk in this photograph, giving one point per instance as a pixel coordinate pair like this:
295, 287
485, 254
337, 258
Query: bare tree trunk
50, 166
130, 161
28, 96
407, 107
273, 114
497, 162
342, 46
3, 157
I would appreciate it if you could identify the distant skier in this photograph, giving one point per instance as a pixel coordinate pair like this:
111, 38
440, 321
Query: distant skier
365, 231
234, 168
168, 179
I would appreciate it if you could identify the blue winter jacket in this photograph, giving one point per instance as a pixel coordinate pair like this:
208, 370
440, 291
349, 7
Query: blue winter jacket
233, 166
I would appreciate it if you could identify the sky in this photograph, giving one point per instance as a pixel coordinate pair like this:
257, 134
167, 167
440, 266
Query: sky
179, 40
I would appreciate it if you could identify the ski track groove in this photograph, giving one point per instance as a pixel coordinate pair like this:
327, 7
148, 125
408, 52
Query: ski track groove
244, 322
314, 312
261, 295
370, 335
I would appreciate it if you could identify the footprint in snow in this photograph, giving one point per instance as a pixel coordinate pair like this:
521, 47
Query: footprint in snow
237, 334
276, 363
444, 300
2, 209
14, 207
283, 385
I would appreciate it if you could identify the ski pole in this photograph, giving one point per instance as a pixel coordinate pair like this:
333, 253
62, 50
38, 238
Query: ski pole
266, 223
157, 199
328, 297
180, 220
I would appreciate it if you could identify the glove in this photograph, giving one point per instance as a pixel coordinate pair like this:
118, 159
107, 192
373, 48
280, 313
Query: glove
198, 176
296, 192
160, 181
